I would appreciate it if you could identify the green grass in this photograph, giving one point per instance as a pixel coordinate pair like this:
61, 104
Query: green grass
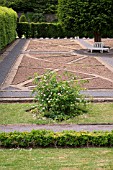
57, 159
15, 113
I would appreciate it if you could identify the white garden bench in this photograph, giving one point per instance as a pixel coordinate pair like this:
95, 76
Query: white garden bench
99, 46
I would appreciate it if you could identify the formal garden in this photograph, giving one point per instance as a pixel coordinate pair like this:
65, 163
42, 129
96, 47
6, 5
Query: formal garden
54, 67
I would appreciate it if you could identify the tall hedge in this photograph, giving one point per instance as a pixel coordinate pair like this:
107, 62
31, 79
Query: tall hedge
37, 30
8, 20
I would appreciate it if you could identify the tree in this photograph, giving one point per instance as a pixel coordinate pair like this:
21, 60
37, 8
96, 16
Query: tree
45, 6
94, 16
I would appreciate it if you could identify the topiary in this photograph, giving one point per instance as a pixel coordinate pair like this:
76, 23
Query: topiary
23, 18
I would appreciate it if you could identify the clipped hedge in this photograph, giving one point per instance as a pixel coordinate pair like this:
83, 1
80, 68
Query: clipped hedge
37, 30
45, 138
8, 20
55, 30
24, 28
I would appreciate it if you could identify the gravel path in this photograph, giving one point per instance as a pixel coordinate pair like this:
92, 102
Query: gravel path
55, 128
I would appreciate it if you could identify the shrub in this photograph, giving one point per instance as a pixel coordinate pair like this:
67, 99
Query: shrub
8, 20
58, 99
23, 18
23, 28
45, 138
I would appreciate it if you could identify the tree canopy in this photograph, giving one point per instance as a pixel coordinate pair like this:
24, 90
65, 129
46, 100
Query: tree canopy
45, 6
86, 15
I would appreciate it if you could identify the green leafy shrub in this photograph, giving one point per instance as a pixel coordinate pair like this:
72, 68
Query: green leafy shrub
45, 138
37, 30
38, 17
23, 28
8, 23
58, 99
23, 18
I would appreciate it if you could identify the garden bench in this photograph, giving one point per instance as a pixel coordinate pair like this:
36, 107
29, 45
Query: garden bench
99, 46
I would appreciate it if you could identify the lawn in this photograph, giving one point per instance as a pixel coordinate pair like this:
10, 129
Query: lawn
15, 113
57, 159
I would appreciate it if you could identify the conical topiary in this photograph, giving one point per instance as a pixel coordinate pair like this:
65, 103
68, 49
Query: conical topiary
23, 18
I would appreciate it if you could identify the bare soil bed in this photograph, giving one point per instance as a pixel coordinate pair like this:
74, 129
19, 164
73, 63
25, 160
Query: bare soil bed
58, 55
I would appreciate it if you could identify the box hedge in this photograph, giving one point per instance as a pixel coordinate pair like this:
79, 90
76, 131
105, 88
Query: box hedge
8, 20
45, 138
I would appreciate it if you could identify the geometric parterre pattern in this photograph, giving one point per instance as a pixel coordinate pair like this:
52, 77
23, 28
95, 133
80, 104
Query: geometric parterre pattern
58, 55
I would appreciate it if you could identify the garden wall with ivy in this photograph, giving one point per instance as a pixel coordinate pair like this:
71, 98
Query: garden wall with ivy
8, 23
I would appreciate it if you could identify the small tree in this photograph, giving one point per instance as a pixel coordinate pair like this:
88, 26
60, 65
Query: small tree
86, 15
58, 99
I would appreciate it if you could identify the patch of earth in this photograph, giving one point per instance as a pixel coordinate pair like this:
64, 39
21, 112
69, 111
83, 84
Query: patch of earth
96, 69
57, 58
52, 45
98, 83
25, 73
89, 61
33, 63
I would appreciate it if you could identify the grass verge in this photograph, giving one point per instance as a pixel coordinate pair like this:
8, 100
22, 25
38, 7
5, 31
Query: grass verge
57, 159
15, 113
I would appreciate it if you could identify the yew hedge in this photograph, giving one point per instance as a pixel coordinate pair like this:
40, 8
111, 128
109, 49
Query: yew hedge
37, 30
8, 23
45, 138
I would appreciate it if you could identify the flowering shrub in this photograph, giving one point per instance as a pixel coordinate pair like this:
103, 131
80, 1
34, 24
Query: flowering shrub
58, 99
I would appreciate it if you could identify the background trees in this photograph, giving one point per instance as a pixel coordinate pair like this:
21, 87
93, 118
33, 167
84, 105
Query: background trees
90, 16
46, 6
78, 17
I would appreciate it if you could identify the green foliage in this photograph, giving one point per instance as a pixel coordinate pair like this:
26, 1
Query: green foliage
45, 138
86, 16
58, 99
23, 28
37, 30
38, 17
46, 6
23, 18
8, 19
